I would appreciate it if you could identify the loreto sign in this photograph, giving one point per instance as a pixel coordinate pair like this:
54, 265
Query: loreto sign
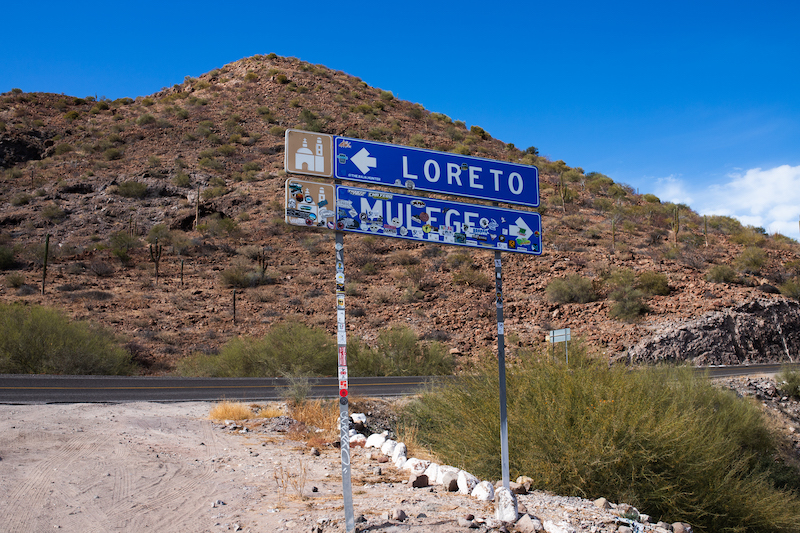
440, 172
437, 221
326, 156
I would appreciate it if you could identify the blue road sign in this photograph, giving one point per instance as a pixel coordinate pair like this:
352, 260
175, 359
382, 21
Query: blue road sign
437, 221
441, 172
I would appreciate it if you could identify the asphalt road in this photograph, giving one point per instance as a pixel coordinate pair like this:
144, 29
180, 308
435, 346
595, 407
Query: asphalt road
40, 389
33, 389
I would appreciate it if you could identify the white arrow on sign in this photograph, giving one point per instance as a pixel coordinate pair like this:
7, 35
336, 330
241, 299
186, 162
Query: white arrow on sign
363, 161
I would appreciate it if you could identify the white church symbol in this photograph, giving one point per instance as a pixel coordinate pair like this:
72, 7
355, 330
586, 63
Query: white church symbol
304, 159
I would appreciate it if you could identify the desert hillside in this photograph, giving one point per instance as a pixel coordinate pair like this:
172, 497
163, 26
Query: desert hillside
115, 184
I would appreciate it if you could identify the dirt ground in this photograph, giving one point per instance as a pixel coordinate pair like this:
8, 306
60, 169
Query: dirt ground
166, 467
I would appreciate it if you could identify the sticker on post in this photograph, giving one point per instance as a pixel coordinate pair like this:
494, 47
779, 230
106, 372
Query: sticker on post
342, 356
341, 337
500, 328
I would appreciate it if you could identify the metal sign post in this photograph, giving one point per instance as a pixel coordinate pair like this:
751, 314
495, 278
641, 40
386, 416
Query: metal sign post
344, 414
560, 335
501, 364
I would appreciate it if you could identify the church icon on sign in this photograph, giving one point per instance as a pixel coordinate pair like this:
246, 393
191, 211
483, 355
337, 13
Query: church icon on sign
305, 159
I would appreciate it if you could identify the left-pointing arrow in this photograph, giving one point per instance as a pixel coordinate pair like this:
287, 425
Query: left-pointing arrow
363, 161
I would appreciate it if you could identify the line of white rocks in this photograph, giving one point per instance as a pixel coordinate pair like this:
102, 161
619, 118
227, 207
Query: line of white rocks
423, 473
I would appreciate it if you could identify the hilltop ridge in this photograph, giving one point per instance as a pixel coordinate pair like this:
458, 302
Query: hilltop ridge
106, 178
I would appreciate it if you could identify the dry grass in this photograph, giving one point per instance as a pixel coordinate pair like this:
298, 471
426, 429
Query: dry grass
321, 418
288, 481
408, 434
227, 410
270, 411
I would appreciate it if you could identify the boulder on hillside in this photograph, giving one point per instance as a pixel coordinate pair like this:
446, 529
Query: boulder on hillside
759, 331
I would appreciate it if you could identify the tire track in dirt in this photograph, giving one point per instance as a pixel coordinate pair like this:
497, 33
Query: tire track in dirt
172, 486
31, 493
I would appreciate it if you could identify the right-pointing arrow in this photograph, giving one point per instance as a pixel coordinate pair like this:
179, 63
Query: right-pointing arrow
363, 161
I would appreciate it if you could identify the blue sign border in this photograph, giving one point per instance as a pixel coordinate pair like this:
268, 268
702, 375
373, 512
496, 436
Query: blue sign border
437, 221
407, 167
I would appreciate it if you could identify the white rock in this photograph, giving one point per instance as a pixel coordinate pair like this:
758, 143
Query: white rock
444, 469
358, 440
506, 509
432, 472
353, 432
376, 440
388, 447
561, 527
483, 491
359, 418
466, 482
400, 461
416, 466
399, 451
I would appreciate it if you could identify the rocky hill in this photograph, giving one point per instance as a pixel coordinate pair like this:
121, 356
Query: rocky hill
105, 179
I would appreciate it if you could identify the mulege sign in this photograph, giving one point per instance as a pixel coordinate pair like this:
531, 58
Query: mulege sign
437, 221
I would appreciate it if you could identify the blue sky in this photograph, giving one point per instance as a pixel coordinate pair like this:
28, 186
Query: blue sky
697, 102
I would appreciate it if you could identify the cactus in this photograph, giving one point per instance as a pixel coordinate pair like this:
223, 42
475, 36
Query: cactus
613, 234
261, 258
155, 256
676, 225
46, 253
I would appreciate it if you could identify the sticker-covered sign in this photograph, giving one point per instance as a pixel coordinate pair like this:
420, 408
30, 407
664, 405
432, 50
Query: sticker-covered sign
309, 203
438, 221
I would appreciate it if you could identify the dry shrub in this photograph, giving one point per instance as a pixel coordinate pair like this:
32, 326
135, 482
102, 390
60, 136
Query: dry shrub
270, 411
227, 410
321, 420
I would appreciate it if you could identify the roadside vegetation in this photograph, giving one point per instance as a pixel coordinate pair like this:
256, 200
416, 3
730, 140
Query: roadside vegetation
40, 340
663, 440
296, 350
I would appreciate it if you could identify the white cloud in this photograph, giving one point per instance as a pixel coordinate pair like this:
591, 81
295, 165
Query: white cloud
765, 198
671, 189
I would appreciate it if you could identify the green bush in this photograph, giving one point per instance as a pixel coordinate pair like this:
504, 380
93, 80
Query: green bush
62, 148
121, 243
472, 277
6, 258
241, 276
651, 198
287, 349
791, 289
721, 274
653, 284
181, 179
39, 340
628, 298
146, 119
112, 154
663, 440
399, 352
788, 381
132, 189
571, 289
751, 260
